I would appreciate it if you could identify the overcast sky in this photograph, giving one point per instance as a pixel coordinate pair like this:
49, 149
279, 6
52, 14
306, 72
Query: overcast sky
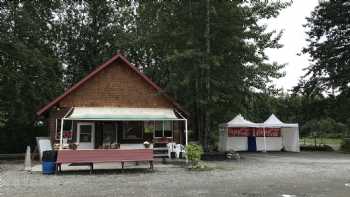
291, 20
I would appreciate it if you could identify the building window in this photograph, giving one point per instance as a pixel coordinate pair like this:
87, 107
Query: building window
149, 127
67, 129
158, 129
109, 133
168, 132
133, 130
163, 129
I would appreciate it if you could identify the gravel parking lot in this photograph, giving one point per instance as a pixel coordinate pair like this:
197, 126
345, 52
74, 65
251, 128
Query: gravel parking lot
255, 175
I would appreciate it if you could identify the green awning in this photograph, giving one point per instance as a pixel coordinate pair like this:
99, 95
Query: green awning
121, 113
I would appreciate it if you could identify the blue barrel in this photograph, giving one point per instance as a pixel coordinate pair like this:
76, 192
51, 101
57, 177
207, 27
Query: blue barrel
49, 167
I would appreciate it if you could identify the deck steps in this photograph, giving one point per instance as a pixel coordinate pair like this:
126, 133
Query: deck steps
160, 150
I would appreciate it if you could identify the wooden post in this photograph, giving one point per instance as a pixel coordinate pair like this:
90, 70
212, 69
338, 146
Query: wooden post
151, 165
91, 168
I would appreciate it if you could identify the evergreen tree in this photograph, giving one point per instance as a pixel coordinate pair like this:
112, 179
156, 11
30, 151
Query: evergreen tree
92, 32
329, 47
31, 73
208, 54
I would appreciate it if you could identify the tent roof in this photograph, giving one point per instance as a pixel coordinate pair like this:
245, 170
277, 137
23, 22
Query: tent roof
240, 121
273, 121
121, 113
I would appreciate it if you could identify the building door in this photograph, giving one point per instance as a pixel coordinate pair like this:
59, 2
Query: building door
86, 135
251, 143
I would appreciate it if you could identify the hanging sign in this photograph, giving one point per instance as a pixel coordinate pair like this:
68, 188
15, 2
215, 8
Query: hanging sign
240, 132
269, 132
257, 132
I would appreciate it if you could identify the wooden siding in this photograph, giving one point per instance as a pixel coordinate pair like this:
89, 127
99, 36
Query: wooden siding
116, 86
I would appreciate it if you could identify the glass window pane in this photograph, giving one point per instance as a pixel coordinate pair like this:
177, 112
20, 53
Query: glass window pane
149, 127
67, 125
85, 137
168, 129
85, 129
158, 129
108, 133
85, 133
133, 130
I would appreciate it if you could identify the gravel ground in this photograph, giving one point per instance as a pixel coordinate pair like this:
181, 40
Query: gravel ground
255, 175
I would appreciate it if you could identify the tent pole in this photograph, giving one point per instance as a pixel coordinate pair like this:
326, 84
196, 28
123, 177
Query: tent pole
264, 141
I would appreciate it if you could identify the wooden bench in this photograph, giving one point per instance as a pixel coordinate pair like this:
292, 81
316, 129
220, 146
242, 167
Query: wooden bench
89, 157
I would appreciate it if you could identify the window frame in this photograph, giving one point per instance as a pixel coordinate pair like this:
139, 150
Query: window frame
162, 122
58, 132
126, 125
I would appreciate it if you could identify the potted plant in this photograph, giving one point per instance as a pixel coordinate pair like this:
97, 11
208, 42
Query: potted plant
73, 146
146, 144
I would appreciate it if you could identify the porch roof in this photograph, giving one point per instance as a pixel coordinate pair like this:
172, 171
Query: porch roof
121, 113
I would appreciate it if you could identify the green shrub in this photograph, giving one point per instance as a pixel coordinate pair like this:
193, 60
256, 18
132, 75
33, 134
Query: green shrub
194, 153
322, 147
345, 145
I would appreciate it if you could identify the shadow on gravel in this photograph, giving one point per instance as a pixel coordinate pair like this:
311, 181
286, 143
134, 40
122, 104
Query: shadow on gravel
107, 171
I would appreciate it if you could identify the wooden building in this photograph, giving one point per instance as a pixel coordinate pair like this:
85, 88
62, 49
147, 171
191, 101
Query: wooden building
115, 104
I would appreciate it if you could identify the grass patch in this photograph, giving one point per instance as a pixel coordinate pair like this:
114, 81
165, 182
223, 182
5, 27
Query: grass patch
310, 141
200, 166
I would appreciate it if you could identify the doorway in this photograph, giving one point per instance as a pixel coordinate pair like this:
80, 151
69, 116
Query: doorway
86, 135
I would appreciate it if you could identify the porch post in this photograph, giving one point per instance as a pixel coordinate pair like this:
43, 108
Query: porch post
264, 140
61, 134
62, 120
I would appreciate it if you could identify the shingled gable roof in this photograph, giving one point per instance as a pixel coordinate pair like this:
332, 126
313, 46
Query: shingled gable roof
98, 70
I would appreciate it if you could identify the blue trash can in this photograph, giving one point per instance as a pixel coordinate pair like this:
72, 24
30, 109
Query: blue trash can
49, 167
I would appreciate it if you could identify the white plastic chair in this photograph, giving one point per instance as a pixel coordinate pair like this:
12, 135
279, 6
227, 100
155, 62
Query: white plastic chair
171, 148
65, 143
179, 148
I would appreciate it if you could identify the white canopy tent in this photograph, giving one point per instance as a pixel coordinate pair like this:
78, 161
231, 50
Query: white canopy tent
288, 140
240, 121
236, 143
289, 133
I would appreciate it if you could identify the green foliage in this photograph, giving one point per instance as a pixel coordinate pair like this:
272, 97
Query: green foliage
194, 153
209, 55
328, 31
91, 32
325, 127
30, 72
322, 147
345, 146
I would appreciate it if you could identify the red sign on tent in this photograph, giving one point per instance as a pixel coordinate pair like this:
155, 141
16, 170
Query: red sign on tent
240, 132
258, 132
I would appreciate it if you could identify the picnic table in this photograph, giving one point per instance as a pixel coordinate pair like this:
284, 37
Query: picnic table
89, 157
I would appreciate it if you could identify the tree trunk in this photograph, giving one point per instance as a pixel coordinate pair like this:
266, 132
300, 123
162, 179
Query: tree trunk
207, 79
